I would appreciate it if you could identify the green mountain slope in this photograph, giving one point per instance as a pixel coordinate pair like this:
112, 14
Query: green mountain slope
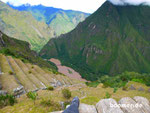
62, 21
23, 26
112, 40
21, 50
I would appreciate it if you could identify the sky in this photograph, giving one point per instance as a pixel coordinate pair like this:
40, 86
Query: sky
88, 6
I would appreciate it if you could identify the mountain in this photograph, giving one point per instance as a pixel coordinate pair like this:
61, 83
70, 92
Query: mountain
62, 21
21, 50
23, 26
112, 40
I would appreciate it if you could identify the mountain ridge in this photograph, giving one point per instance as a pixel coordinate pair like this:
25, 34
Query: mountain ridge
112, 40
66, 20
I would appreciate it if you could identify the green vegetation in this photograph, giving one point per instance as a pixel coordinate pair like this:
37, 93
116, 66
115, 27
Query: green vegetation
7, 100
50, 88
108, 42
115, 90
26, 25
32, 95
92, 84
61, 21
66, 93
70, 72
122, 79
11, 73
107, 95
22, 51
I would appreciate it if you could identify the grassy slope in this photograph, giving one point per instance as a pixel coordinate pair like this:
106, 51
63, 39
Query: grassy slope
87, 95
23, 26
62, 21
21, 50
112, 40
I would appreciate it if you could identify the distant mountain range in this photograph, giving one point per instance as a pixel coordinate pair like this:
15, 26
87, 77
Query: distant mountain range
112, 40
35, 26
62, 21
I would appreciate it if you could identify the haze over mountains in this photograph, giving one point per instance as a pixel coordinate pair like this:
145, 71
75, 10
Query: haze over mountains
112, 40
36, 24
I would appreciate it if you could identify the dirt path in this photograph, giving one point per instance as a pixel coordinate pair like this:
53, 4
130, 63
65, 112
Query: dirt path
66, 70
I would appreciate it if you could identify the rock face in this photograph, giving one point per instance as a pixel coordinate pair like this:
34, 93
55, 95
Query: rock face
141, 89
132, 87
125, 105
84, 108
107, 106
130, 106
145, 103
18, 91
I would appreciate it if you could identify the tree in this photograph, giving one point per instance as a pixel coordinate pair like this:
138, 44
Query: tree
32, 95
66, 93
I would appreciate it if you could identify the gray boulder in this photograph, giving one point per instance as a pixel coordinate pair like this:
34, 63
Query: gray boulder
145, 104
108, 106
141, 89
2, 92
56, 112
132, 87
84, 108
128, 105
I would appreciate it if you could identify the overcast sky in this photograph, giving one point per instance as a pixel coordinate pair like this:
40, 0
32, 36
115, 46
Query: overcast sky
88, 6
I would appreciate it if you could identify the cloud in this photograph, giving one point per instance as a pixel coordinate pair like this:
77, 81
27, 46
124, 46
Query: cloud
132, 2
81, 5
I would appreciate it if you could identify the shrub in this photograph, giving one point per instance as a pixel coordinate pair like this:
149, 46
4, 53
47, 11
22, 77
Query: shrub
11, 73
66, 93
32, 95
30, 72
46, 102
50, 88
55, 106
115, 90
125, 88
107, 95
7, 100
32, 67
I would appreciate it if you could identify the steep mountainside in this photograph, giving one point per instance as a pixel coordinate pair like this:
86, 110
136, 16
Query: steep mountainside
21, 49
23, 26
112, 40
62, 21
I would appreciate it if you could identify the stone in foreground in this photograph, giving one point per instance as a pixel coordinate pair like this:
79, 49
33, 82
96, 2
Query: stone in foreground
107, 106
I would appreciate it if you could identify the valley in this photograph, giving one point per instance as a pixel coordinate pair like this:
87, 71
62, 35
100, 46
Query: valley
67, 70
50, 55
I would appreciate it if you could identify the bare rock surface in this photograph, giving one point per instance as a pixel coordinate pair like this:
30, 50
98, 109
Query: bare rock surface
128, 105
56, 112
125, 105
132, 87
145, 104
84, 108
107, 106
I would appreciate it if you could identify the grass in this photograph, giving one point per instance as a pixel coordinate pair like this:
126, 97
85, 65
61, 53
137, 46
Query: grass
91, 96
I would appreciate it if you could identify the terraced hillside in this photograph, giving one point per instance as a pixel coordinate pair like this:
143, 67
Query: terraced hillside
91, 98
15, 74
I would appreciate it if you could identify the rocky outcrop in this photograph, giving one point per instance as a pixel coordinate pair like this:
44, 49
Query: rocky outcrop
128, 105
108, 106
2, 92
132, 87
19, 91
145, 103
84, 108
125, 105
